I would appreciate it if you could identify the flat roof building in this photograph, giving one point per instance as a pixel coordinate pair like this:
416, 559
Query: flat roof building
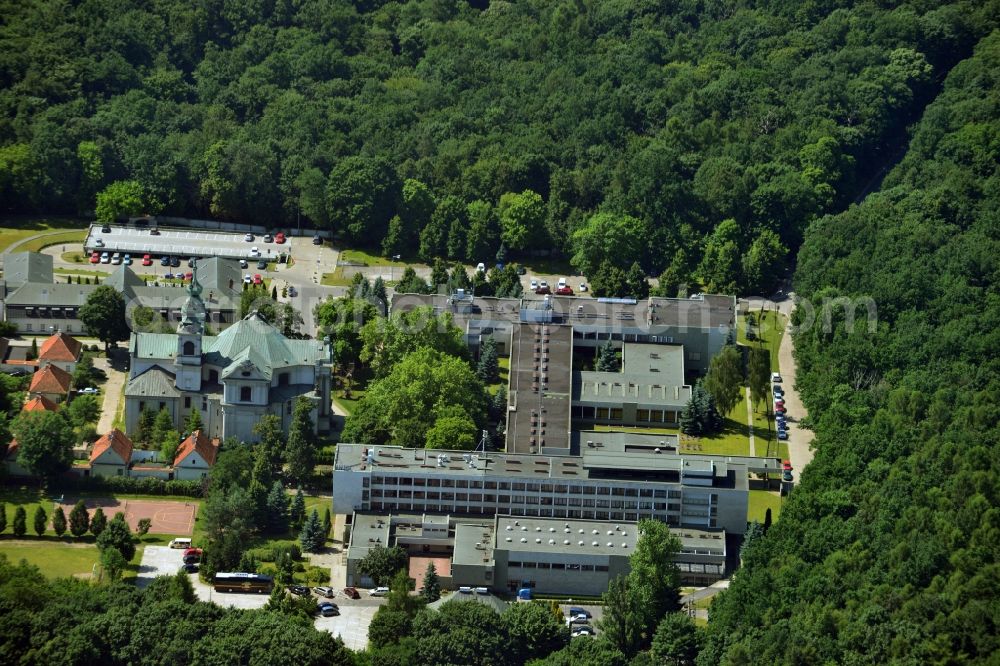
693, 491
549, 555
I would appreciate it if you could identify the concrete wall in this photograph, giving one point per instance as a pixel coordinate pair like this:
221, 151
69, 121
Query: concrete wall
347, 488
237, 227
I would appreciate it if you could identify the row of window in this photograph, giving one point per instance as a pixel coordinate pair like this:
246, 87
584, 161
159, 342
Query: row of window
519, 486
553, 512
555, 566
519, 499
587, 413
42, 328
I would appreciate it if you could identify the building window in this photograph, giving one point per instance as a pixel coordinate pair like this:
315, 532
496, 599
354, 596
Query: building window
187, 402
188, 348
283, 379
213, 376
246, 393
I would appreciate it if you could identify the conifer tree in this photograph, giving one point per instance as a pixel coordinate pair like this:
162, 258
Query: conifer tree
431, 589
20, 521
79, 519
311, 537
59, 521
41, 521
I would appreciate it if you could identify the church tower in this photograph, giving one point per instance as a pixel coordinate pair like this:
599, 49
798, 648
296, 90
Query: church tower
189, 332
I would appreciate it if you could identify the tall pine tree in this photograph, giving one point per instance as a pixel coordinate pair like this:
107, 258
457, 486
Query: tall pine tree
489, 363
298, 510
311, 537
41, 521
79, 519
431, 589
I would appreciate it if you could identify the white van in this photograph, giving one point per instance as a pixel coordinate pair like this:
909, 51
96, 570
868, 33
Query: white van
180, 543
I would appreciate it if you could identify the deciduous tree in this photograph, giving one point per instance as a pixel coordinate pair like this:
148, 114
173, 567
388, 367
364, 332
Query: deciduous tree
381, 563
724, 380
103, 316
45, 442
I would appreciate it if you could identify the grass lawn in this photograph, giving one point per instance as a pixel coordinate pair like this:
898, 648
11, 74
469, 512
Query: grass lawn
770, 328
13, 230
368, 259
760, 501
55, 559
338, 278
79, 271
57, 238
504, 363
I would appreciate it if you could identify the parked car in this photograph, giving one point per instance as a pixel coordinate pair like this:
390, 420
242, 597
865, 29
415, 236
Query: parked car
481, 267
351, 593
576, 610
165, 260
95, 257
116, 258
268, 238
534, 284
583, 630
300, 590
786, 465
257, 279
191, 262
782, 435
379, 592
187, 276
154, 232
147, 260
248, 238
779, 409
98, 242
90, 390
521, 270
127, 259
106, 229
775, 378
583, 287
255, 251
786, 475
262, 264
317, 240
292, 291
175, 262
577, 619
105, 258
326, 609
193, 552
778, 402
189, 568
279, 238
243, 263
777, 389
565, 290
543, 290
324, 591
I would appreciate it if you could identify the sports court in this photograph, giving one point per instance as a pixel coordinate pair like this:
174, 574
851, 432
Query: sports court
175, 518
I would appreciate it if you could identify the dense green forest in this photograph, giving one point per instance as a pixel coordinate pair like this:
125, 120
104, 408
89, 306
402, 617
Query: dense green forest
888, 550
700, 138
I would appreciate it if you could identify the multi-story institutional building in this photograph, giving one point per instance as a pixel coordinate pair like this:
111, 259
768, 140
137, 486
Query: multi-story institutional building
36, 303
247, 371
602, 483
550, 555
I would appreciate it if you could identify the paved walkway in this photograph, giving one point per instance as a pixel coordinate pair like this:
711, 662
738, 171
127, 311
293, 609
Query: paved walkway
112, 393
753, 441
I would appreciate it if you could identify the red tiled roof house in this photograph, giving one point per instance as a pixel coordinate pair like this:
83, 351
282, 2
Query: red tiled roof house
111, 455
51, 382
61, 350
195, 457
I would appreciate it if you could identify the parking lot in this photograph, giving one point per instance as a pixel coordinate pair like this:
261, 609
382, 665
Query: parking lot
158, 561
182, 243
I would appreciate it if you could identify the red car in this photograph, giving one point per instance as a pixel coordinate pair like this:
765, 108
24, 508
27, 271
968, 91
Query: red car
95, 258
565, 290
188, 276
257, 279
147, 260
543, 290
279, 238
192, 555
351, 593
787, 465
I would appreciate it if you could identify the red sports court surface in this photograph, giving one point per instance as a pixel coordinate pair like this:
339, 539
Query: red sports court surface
175, 518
